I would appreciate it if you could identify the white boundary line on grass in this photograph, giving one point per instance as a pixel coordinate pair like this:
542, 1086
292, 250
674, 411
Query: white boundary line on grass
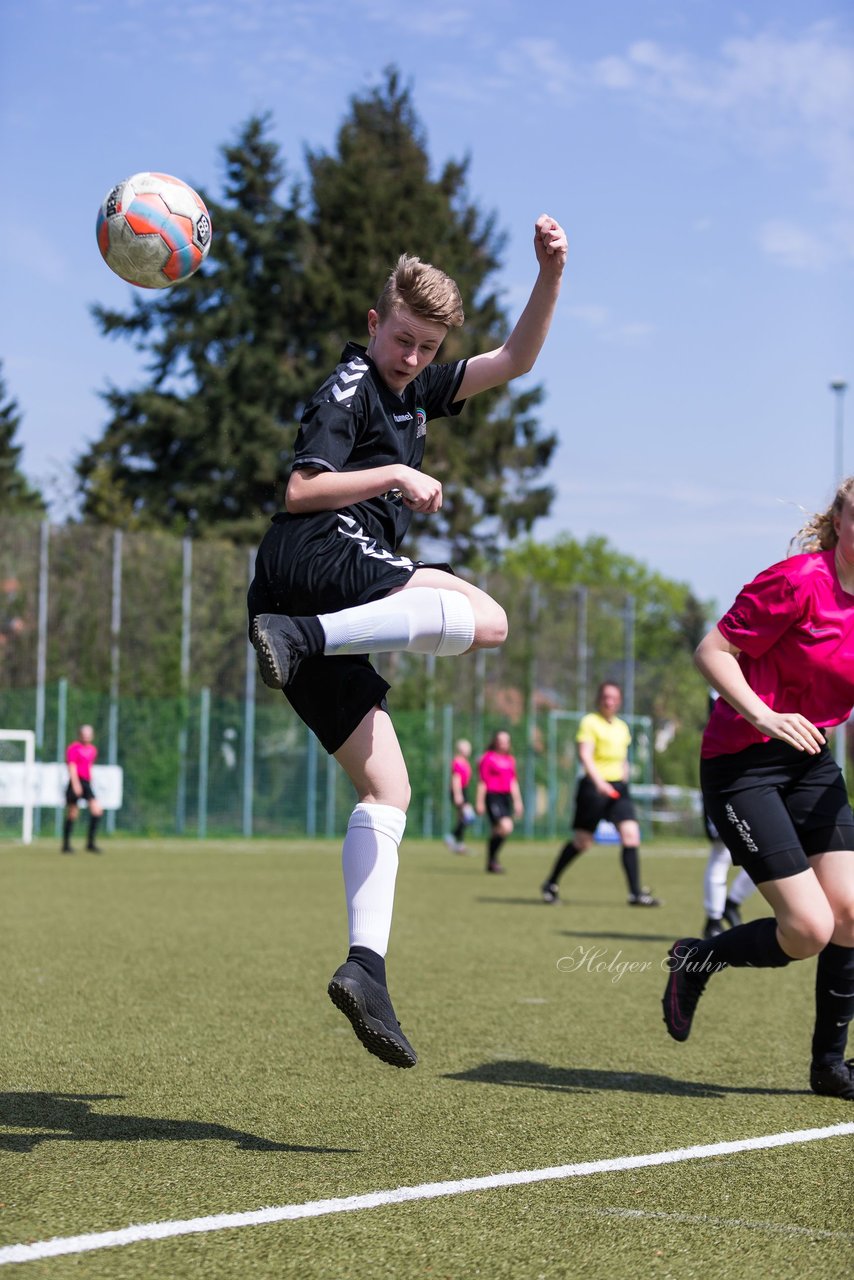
63, 1245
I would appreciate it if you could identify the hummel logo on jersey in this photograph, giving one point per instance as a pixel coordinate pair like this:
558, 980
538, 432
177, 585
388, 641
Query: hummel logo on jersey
368, 544
348, 382
402, 417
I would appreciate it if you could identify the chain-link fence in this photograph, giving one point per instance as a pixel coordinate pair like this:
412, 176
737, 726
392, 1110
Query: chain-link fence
143, 636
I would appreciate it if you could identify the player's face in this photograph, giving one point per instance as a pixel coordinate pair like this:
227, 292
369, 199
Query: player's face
609, 701
402, 345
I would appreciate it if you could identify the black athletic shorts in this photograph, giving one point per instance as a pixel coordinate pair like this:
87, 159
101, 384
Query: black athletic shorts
316, 564
499, 804
88, 794
591, 807
775, 807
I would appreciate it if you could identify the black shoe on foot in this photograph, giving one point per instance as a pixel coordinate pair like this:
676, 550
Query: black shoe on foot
495, 868
368, 1006
549, 893
93, 848
683, 989
280, 647
644, 899
732, 915
834, 1080
66, 848
714, 926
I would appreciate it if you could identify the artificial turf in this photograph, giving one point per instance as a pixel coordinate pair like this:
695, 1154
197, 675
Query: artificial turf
168, 1051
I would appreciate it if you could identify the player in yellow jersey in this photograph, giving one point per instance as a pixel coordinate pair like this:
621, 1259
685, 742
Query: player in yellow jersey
603, 793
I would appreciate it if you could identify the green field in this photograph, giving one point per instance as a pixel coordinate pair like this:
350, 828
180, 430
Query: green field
168, 1052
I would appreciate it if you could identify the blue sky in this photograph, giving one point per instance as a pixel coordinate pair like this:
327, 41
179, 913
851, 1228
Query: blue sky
699, 153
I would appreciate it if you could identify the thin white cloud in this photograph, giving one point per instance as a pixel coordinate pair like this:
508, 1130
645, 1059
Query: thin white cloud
598, 320
794, 246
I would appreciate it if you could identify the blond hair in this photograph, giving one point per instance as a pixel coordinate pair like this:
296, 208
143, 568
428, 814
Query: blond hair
819, 532
424, 290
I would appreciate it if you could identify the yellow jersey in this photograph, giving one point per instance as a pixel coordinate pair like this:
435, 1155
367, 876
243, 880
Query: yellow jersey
610, 740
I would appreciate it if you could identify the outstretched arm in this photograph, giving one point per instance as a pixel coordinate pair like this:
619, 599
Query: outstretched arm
518, 354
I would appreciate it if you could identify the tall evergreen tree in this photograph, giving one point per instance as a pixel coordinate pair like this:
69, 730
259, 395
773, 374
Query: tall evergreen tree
16, 493
203, 447
372, 200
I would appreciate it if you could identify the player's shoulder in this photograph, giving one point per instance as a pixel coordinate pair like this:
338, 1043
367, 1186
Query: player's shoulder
349, 377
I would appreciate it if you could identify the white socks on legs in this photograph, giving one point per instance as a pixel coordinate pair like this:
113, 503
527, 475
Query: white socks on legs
715, 878
418, 620
369, 859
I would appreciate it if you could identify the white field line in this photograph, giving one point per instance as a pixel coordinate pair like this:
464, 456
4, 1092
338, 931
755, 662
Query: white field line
401, 1195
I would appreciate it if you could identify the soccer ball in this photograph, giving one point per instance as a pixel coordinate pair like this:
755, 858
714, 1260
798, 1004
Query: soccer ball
153, 230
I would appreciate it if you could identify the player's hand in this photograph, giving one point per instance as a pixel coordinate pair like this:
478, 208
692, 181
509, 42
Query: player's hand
420, 492
550, 244
792, 727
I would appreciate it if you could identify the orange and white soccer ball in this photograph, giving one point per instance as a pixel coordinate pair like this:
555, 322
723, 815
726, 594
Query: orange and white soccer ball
153, 230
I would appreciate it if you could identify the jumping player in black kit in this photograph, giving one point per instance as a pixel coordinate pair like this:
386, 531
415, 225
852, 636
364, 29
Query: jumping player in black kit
331, 586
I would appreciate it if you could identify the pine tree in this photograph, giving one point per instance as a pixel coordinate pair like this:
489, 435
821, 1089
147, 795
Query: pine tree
16, 494
203, 448
373, 200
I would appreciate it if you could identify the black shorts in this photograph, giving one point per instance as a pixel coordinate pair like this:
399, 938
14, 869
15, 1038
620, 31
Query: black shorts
314, 564
775, 807
591, 807
499, 804
88, 793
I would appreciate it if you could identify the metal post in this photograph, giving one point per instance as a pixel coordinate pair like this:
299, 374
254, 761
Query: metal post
581, 655
629, 657
530, 781
249, 727
115, 655
41, 652
186, 606
430, 733
61, 722
447, 755
204, 741
331, 782
311, 784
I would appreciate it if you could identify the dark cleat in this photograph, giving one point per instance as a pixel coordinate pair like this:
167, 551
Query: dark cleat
834, 1080
644, 899
368, 1006
549, 893
280, 647
684, 988
714, 925
731, 913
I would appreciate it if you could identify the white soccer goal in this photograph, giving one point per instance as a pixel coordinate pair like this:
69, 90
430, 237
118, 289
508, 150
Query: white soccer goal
18, 777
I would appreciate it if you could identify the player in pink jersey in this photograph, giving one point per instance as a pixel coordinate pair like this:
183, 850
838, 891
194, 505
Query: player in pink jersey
460, 778
498, 795
80, 756
782, 659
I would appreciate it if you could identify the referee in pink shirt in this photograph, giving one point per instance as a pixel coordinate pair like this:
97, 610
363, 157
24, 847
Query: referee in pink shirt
80, 756
498, 795
782, 659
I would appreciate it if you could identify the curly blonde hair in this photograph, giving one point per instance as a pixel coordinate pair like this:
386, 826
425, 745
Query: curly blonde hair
819, 534
424, 290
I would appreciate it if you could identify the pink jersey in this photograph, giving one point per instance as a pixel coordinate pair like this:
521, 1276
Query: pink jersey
461, 768
497, 771
83, 755
794, 627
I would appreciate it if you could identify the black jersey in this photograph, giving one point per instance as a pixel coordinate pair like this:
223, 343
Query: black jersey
355, 422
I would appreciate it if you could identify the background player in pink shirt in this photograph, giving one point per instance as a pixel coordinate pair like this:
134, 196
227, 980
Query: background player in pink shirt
460, 778
782, 659
80, 756
498, 795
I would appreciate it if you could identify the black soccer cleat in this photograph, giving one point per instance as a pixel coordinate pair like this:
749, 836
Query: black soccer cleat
644, 899
834, 1080
714, 925
683, 989
731, 913
280, 647
549, 893
368, 1006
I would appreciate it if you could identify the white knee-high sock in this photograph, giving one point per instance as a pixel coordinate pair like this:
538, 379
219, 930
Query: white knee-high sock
369, 860
742, 887
417, 620
714, 881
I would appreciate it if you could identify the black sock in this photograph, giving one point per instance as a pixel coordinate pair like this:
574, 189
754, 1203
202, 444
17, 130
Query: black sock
567, 855
372, 963
752, 945
495, 843
459, 831
631, 866
834, 1003
93, 827
313, 633
68, 827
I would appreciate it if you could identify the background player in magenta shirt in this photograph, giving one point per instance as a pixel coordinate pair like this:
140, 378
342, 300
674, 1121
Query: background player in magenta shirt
80, 756
461, 772
498, 795
782, 660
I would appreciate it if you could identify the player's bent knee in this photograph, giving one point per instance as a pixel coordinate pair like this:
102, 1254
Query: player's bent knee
492, 626
806, 937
